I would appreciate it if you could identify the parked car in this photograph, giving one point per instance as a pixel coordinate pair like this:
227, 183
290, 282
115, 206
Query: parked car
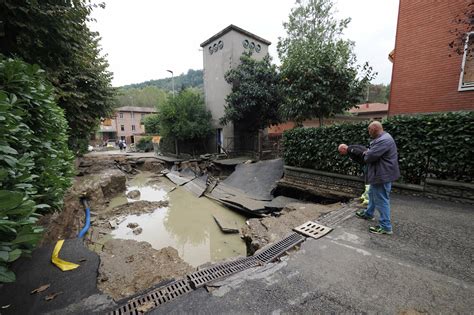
110, 144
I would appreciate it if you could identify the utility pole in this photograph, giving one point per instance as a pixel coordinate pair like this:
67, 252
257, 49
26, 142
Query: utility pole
175, 140
172, 79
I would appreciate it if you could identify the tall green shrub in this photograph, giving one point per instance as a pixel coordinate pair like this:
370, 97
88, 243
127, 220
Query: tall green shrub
35, 162
438, 146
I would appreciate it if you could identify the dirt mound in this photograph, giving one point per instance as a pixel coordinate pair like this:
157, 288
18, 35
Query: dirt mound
149, 165
100, 179
128, 267
262, 231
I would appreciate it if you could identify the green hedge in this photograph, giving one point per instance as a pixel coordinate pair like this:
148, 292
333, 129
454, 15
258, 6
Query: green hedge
35, 162
437, 145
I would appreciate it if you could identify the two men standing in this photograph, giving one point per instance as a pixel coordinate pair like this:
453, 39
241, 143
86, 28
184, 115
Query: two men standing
382, 169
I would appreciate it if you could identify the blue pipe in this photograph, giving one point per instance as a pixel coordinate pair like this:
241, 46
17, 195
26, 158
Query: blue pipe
88, 219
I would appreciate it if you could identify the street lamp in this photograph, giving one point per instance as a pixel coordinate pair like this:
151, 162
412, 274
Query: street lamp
175, 140
172, 79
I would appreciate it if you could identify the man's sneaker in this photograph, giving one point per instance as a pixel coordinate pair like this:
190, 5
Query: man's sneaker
361, 214
379, 230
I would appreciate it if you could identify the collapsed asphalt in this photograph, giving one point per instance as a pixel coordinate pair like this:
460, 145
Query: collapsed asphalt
425, 266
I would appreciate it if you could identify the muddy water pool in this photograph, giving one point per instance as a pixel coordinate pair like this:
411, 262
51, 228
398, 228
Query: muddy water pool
187, 224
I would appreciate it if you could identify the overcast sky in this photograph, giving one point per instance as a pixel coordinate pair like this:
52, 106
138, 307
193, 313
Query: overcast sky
144, 38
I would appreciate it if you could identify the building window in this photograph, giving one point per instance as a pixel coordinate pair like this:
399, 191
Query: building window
121, 115
122, 128
133, 127
466, 82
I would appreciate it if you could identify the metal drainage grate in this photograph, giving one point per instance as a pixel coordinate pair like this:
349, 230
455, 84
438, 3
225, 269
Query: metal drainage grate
201, 277
312, 229
333, 218
277, 249
154, 298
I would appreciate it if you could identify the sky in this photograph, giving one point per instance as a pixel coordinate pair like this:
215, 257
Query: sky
147, 38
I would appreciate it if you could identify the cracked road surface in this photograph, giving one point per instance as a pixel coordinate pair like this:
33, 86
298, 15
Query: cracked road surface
425, 266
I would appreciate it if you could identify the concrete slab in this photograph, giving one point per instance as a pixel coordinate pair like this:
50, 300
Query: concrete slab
225, 225
280, 202
168, 159
197, 186
257, 180
233, 161
177, 178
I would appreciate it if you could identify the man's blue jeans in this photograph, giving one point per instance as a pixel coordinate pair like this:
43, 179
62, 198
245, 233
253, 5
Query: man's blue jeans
379, 198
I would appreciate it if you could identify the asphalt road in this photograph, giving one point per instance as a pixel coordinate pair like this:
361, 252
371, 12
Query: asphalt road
425, 266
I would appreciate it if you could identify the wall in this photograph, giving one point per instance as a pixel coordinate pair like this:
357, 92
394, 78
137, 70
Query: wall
424, 77
336, 186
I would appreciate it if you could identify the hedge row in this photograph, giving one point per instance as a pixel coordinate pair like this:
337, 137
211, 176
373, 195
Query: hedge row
438, 146
35, 162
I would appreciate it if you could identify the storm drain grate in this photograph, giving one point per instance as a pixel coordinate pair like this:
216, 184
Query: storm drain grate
336, 217
154, 298
312, 229
201, 277
277, 249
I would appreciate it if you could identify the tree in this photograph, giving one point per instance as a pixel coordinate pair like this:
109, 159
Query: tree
256, 94
194, 78
463, 25
152, 124
54, 34
149, 96
185, 117
375, 93
318, 70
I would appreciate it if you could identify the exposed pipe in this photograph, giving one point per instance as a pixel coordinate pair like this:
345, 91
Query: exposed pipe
85, 202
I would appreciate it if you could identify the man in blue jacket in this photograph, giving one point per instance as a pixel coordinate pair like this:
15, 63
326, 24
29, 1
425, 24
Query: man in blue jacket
382, 170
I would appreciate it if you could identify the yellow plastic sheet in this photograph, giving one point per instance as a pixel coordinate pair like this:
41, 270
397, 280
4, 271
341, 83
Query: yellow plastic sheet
61, 264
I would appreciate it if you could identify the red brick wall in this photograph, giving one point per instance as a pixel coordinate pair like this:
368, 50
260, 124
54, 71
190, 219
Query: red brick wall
424, 77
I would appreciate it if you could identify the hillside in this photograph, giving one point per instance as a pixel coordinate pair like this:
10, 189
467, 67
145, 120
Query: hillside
154, 92
194, 78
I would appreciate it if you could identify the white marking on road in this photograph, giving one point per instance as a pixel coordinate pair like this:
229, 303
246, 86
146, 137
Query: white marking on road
358, 250
345, 236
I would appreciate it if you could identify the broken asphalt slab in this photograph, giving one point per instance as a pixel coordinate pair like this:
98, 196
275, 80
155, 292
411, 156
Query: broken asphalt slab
77, 288
180, 178
197, 186
257, 180
250, 186
425, 266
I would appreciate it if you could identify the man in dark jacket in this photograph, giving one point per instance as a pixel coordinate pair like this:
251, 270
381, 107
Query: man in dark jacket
382, 170
356, 153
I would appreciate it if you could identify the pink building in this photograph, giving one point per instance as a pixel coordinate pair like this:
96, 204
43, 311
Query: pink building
126, 124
